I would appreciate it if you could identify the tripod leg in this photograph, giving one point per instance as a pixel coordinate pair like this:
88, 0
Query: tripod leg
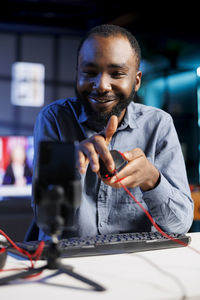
70, 272
23, 274
61, 269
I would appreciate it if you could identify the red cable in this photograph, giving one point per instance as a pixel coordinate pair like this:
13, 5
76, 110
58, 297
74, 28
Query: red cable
34, 256
150, 217
152, 220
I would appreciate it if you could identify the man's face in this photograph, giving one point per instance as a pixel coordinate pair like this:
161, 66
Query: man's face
107, 78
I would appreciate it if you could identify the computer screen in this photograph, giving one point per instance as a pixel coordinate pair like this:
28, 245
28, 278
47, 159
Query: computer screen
16, 157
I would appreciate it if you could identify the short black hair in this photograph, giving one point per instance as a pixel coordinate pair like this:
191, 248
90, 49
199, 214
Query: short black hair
106, 30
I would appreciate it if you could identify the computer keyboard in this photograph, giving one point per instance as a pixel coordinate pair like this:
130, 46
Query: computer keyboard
109, 244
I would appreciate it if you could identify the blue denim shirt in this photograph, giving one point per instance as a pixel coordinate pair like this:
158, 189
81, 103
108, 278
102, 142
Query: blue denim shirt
107, 210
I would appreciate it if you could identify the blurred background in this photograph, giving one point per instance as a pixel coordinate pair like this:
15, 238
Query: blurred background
38, 44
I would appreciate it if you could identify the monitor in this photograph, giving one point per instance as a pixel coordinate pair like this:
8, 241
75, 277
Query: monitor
16, 157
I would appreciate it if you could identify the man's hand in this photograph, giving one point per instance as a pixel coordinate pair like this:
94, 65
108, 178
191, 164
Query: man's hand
138, 172
95, 146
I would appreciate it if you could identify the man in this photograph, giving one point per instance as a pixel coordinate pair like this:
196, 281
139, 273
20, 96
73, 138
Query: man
104, 116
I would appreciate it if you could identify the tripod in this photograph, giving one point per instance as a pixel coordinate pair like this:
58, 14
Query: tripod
53, 263
52, 212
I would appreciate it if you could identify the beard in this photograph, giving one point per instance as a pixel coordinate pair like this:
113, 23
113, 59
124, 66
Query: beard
98, 120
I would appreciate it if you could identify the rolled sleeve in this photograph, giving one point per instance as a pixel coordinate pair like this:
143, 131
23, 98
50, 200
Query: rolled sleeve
171, 209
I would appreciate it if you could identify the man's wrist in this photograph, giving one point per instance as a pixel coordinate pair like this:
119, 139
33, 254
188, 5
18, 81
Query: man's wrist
153, 183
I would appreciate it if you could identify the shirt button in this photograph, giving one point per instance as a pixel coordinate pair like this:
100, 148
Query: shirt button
102, 223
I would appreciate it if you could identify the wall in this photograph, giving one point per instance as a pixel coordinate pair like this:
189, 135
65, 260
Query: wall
58, 54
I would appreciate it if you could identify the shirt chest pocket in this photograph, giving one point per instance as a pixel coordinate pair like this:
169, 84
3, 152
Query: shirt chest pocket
124, 209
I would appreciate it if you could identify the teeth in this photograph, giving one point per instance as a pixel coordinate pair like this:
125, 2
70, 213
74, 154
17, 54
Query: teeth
100, 101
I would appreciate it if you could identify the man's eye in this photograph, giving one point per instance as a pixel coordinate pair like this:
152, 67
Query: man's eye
89, 73
118, 74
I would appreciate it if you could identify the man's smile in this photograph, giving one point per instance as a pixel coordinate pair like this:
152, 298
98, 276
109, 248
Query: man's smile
100, 100
102, 103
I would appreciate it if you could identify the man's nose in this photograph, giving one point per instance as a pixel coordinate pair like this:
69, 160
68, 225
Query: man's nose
102, 83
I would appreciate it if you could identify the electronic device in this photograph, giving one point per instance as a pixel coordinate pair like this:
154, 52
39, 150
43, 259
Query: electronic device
57, 187
15, 184
3, 256
120, 163
110, 244
57, 193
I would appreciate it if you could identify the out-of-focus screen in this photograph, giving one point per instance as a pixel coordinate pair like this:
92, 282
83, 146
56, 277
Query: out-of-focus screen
16, 157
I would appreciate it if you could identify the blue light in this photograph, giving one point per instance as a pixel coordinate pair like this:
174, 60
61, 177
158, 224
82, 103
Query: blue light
198, 71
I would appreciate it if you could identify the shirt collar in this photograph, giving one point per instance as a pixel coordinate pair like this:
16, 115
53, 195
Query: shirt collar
82, 117
129, 118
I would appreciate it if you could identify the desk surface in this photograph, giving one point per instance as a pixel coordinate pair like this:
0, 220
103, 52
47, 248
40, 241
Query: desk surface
154, 275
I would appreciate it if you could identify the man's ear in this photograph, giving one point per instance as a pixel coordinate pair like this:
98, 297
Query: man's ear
138, 80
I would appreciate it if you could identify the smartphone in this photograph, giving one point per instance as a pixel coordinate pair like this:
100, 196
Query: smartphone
57, 167
57, 187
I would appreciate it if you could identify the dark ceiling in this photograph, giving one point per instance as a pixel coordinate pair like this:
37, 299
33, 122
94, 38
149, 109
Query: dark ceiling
164, 29
82, 14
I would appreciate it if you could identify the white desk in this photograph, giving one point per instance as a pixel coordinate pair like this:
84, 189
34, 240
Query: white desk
125, 276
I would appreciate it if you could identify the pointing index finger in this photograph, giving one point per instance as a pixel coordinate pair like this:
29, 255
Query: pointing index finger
111, 128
